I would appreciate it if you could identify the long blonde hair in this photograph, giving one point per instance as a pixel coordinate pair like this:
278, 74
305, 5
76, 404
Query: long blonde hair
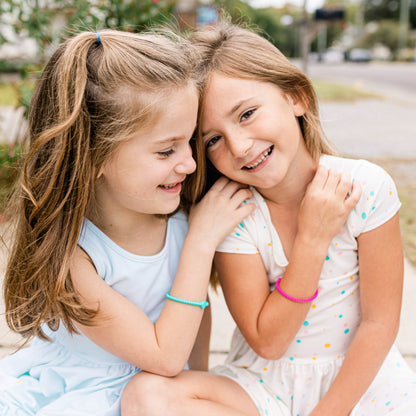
238, 52
91, 96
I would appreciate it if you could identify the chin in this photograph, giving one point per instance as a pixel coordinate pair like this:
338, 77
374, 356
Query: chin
169, 209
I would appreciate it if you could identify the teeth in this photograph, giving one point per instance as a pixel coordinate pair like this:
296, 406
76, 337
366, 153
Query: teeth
261, 159
168, 186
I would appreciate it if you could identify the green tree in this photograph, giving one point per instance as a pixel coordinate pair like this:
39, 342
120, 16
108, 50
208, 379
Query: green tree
387, 33
268, 21
375, 10
49, 21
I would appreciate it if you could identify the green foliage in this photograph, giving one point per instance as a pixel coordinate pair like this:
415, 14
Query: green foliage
8, 95
10, 156
25, 92
238, 10
268, 21
386, 33
49, 21
17, 94
375, 10
283, 37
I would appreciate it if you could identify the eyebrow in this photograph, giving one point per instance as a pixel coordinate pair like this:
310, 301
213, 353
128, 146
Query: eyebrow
167, 140
239, 104
234, 109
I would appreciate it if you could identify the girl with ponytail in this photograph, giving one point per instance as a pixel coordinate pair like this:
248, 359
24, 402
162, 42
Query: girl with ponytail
106, 276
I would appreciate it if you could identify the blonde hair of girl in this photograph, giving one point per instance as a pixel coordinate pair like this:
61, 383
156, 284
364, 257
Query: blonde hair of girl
95, 91
238, 52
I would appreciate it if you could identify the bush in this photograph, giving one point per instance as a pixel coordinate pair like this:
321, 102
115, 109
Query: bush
10, 156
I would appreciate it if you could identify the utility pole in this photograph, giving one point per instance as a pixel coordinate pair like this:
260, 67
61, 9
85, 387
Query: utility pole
404, 23
304, 38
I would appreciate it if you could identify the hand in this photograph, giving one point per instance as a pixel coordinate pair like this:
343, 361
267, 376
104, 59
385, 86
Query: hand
220, 211
328, 202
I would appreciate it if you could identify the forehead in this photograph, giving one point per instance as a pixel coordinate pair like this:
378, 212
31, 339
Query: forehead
172, 114
224, 92
148, 108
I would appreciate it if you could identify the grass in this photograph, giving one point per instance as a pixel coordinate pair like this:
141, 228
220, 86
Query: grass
408, 221
331, 91
403, 171
8, 95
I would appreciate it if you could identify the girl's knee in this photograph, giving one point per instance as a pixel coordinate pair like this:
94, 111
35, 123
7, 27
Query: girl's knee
147, 394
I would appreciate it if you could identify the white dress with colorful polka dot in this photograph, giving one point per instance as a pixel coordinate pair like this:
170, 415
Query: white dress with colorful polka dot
298, 380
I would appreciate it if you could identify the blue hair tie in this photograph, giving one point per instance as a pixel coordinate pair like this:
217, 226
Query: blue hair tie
98, 37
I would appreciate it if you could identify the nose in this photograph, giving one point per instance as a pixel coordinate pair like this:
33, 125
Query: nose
187, 165
239, 145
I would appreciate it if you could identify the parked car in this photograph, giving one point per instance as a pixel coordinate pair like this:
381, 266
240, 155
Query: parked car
333, 56
359, 55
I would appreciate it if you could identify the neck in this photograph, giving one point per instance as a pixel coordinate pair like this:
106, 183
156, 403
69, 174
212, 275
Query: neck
291, 190
139, 233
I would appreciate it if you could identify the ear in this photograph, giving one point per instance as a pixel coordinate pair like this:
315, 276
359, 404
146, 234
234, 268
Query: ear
298, 106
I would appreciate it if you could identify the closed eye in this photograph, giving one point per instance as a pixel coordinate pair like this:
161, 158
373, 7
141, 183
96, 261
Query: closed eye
166, 153
247, 114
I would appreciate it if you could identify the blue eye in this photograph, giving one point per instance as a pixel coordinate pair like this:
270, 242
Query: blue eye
247, 115
166, 153
212, 141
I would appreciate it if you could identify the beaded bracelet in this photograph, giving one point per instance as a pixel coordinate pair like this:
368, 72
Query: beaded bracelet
202, 305
292, 298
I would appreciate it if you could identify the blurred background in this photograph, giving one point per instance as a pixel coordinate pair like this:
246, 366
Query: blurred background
360, 55
310, 32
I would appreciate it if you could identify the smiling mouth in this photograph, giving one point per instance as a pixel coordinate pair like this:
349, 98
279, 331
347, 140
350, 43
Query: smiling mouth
260, 160
169, 186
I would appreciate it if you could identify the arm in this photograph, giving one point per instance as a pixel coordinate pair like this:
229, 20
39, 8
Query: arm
164, 347
199, 358
381, 280
266, 319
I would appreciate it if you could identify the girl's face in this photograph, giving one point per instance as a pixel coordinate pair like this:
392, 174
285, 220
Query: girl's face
250, 130
146, 172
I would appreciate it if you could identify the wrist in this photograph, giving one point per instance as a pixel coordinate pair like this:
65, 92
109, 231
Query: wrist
199, 244
311, 245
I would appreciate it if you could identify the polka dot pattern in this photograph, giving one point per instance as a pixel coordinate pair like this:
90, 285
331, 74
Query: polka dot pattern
313, 359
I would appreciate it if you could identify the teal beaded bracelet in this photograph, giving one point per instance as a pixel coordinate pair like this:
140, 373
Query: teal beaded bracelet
202, 305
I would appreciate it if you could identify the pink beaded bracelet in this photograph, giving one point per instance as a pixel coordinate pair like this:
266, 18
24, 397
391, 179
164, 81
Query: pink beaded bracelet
292, 298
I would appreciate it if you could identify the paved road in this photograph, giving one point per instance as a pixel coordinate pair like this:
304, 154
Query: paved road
394, 80
372, 128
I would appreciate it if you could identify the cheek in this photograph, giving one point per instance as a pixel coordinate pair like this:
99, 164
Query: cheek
218, 160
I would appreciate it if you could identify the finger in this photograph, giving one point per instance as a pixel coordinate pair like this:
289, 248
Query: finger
333, 180
241, 196
320, 177
232, 188
344, 185
354, 196
244, 211
219, 184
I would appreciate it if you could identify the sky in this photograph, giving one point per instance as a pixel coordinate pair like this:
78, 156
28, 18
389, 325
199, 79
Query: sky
312, 5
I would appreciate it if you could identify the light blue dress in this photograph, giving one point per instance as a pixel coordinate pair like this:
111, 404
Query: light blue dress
72, 375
